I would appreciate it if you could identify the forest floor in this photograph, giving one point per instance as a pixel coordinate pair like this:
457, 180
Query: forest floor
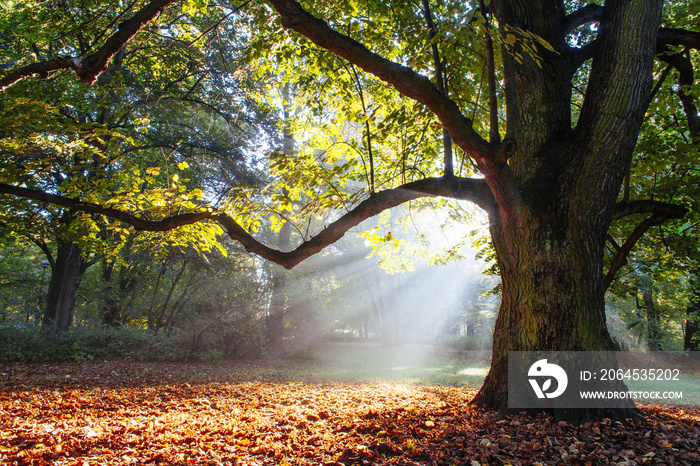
316, 411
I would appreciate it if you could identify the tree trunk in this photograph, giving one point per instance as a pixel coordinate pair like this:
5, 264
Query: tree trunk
552, 296
119, 285
552, 219
692, 329
275, 318
63, 287
469, 323
653, 322
364, 326
159, 322
692, 322
112, 306
151, 317
278, 302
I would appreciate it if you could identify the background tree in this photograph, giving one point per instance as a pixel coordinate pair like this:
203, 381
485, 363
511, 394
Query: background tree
691, 341
135, 127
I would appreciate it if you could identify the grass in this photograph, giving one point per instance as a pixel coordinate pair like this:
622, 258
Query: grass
371, 362
688, 380
354, 363
430, 366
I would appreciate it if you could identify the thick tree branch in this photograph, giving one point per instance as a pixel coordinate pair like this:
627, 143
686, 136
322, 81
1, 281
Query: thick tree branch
602, 108
405, 80
468, 189
42, 69
590, 13
622, 65
90, 67
138, 223
660, 213
675, 36
620, 258
681, 62
625, 209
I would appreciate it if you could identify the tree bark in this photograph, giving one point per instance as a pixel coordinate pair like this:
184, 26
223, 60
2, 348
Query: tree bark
275, 318
112, 308
63, 286
692, 321
550, 245
653, 322
118, 288
552, 295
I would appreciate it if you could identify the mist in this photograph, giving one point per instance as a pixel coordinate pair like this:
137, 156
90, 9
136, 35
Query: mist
400, 296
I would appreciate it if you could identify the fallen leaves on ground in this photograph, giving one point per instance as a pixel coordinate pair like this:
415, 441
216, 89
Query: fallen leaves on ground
146, 413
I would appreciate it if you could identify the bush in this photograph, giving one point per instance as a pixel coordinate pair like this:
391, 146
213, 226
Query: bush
30, 344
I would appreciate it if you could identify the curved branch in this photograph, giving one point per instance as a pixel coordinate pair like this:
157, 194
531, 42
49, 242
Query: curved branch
141, 224
676, 36
405, 80
42, 69
469, 189
590, 13
625, 209
90, 67
620, 258
660, 213
682, 63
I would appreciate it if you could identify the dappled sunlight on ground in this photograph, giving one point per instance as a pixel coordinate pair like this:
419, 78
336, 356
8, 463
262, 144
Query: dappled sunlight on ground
475, 371
423, 364
136, 413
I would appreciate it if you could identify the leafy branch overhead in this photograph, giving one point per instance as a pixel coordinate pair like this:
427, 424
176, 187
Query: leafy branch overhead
90, 67
405, 80
466, 189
